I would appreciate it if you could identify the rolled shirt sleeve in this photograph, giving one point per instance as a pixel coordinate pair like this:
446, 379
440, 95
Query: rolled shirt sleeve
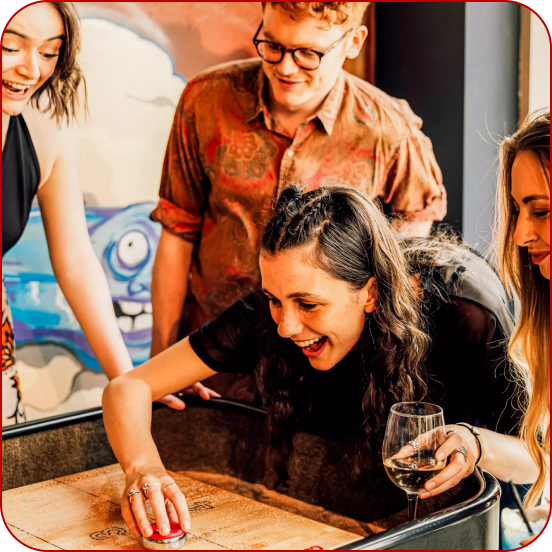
181, 194
414, 183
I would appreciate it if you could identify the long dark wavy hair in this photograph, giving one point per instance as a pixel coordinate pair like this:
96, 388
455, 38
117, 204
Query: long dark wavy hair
352, 242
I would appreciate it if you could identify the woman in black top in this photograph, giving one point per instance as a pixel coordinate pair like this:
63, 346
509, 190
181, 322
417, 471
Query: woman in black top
335, 337
40, 89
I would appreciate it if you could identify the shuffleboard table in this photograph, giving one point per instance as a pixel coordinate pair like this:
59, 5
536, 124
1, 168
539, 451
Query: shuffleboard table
61, 486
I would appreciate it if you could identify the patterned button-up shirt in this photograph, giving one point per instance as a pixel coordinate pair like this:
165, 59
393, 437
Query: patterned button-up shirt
225, 164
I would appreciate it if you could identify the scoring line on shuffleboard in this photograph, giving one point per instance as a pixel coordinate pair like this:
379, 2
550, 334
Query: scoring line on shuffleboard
31, 535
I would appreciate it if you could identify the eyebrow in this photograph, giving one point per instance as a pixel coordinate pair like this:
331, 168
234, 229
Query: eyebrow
21, 35
270, 38
296, 295
530, 198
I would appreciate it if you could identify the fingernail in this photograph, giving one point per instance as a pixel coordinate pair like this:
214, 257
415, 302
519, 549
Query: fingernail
424, 495
187, 525
146, 530
165, 529
430, 486
440, 456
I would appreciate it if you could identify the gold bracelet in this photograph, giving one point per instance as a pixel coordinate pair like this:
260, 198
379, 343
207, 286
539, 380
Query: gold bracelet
477, 434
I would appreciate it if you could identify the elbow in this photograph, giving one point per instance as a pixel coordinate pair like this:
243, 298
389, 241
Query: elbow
124, 389
111, 390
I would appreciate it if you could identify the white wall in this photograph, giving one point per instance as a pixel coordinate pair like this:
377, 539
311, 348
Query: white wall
539, 65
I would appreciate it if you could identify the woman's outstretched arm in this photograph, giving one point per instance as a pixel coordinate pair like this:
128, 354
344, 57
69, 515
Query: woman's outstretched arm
127, 417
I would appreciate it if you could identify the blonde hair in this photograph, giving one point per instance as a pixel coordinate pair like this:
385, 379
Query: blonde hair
529, 347
333, 13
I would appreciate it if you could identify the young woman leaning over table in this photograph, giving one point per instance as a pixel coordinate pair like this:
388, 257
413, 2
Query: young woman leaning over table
335, 337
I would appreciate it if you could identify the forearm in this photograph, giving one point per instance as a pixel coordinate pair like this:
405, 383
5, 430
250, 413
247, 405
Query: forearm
127, 402
127, 418
505, 456
84, 286
169, 288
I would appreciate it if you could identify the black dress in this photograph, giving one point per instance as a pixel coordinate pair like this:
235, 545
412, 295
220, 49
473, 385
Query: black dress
20, 180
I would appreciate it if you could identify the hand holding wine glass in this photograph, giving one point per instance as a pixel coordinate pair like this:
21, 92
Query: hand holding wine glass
414, 434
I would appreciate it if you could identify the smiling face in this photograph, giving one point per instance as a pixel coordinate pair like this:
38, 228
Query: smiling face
320, 314
30, 51
294, 89
531, 196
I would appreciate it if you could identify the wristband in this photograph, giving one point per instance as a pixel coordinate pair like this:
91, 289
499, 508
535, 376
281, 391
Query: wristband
477, 434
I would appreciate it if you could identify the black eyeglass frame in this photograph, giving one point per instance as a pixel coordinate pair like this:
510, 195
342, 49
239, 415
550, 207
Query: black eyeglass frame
284, 50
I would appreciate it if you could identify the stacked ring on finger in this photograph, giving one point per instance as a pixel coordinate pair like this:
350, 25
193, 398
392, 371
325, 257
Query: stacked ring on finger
415, 445
451, 431
169, 485
463, 451
147, 486
131, 493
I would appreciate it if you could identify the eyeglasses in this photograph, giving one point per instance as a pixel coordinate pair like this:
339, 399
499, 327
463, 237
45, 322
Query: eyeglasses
307, 59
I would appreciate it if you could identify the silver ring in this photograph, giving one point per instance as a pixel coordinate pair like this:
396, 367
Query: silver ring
169, 485
131, 493
415, 445
147, 486
463, 451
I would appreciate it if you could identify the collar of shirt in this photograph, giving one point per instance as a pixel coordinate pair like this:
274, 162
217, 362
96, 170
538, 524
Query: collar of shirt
327, 113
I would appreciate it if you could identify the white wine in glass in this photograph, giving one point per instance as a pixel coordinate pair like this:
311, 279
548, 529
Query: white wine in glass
408, 468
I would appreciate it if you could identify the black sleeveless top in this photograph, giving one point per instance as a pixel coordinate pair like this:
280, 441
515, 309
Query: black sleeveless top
20, 180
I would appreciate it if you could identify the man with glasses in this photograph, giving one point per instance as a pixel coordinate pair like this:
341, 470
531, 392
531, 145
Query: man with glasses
243, 131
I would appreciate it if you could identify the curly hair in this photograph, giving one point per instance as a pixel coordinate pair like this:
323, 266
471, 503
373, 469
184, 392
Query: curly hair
337, 13
352, 241
530, 344
62, 88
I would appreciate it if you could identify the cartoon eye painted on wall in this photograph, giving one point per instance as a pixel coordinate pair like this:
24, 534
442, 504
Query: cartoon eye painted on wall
133, 249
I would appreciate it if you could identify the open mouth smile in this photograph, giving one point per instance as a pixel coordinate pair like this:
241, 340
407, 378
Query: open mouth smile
15, 89
312, 347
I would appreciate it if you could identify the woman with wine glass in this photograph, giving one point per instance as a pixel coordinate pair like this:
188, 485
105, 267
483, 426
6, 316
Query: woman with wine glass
335, 337
523, 251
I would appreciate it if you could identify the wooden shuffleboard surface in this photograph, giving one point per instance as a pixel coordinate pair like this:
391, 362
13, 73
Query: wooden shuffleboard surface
81, 512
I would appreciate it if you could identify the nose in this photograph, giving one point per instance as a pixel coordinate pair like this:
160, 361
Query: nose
288, 66
525, 231
135, 287
289, 324
29, 67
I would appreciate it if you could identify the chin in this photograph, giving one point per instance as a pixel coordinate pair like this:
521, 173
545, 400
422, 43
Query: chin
320, 365
545, 271
13, 108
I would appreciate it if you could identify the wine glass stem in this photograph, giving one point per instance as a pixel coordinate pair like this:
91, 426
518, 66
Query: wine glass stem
412, 504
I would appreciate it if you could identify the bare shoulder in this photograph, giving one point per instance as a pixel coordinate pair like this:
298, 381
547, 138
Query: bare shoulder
51, 139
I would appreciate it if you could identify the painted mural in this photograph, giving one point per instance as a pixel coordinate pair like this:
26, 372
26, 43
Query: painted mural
136, 57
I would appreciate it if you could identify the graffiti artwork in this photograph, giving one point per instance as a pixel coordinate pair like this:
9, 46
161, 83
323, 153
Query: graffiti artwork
136, 57
125, 241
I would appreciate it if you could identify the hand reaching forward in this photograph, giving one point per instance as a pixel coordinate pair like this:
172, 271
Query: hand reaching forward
166, 499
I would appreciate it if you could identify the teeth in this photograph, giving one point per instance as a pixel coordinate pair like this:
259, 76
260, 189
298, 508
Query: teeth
125, 323
17, 86
143, 322
307, 343
148, 308
132, 308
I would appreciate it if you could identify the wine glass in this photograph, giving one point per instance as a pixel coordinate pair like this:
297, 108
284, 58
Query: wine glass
410, 466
